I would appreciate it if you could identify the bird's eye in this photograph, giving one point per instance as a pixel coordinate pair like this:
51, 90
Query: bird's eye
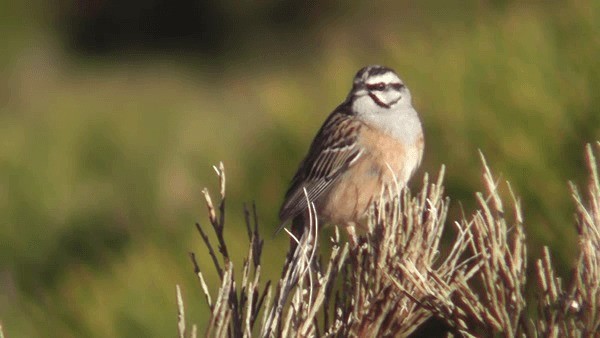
376, 86
397, 86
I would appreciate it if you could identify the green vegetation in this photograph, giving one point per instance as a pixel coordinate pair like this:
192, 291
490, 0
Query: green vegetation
102, 161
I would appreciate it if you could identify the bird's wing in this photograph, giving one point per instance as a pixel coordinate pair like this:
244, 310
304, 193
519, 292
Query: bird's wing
333, 150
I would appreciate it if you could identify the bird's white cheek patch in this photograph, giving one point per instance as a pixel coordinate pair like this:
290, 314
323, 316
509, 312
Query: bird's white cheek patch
364, 105
378, 100
393, 97
386, 99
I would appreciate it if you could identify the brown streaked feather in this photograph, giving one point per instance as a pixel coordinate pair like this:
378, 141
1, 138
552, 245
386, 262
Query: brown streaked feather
333, 150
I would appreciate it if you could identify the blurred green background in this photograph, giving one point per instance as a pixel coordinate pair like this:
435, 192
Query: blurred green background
112, 114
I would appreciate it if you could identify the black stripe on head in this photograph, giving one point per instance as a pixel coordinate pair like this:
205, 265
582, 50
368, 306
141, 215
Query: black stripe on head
378, 70
369, 71
361, 74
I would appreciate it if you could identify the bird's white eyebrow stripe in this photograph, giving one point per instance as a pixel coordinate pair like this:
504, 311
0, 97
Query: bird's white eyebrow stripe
388, 77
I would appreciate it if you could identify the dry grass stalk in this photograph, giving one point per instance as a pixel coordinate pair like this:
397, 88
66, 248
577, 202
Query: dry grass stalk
574, 311
396, 277
381, 293
233, 313
306, 285
498, 265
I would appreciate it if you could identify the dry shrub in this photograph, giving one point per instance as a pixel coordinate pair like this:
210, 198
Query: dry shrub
397, 275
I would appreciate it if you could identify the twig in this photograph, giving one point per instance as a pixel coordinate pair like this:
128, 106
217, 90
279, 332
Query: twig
180, 314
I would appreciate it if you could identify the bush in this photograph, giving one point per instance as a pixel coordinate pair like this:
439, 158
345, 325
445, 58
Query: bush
397, 276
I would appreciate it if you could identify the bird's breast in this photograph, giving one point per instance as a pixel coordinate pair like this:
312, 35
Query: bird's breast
392, 159
386, 164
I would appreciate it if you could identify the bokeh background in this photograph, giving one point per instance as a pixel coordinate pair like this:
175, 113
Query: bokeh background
112, 114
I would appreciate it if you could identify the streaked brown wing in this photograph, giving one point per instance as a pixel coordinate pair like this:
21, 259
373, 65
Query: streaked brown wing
332, 151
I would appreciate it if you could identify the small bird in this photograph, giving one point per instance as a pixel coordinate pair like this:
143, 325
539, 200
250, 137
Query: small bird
372, 141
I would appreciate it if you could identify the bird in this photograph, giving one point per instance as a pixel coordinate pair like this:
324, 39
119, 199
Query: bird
372, 141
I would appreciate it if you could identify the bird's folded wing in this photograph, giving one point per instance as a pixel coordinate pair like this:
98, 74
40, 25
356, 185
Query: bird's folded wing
333, 150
